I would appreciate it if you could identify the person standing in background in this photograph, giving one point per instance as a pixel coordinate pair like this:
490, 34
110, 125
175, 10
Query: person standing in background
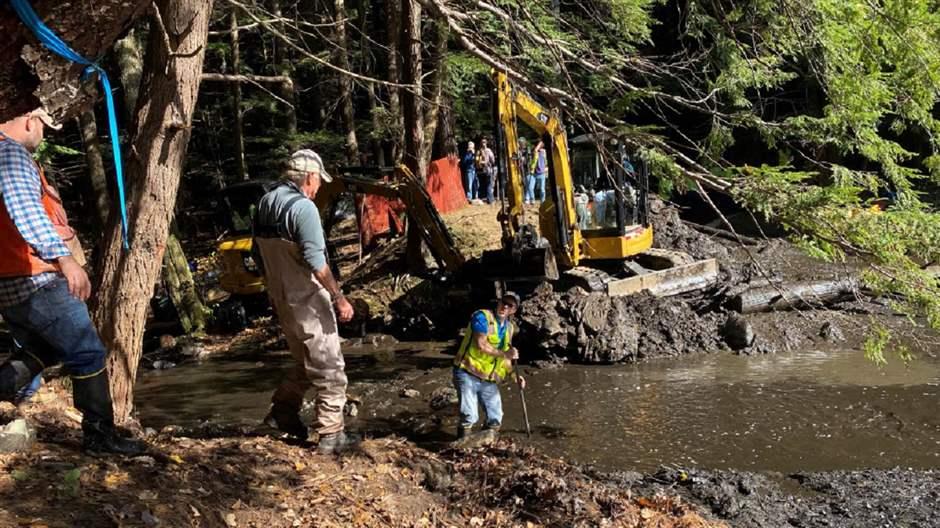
468, 166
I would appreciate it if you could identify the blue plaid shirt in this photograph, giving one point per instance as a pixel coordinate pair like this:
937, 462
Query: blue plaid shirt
21, 190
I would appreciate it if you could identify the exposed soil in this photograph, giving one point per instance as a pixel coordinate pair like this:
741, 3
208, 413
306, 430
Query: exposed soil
896, 497
595, 328
244, 478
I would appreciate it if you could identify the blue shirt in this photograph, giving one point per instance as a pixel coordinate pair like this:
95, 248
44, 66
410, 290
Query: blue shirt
468, 162
302, 221
21, 190
479, 325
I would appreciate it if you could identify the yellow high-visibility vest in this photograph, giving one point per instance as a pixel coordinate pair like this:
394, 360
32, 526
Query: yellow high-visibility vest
484, 366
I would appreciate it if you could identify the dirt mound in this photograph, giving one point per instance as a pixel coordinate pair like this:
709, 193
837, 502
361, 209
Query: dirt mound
670, 232
595, 328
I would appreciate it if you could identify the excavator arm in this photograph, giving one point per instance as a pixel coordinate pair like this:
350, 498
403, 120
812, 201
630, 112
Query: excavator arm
557, 215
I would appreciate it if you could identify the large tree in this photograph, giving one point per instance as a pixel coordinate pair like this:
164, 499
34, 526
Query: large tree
31, 75
170, 84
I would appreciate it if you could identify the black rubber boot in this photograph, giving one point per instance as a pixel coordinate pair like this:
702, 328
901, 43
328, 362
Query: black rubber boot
286, 420
93, 397
336, 443
16, 374
464, 431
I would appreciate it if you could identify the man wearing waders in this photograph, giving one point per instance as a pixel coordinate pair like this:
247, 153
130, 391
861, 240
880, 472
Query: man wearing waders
289, 239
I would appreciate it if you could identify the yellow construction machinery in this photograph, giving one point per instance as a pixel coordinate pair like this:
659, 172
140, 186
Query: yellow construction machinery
598, 235
241, 276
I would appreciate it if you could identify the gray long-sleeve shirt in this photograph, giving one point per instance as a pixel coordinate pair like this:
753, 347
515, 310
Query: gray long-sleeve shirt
301, 225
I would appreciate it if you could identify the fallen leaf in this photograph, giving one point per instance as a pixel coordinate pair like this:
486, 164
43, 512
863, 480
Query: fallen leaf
230, 520
299, 466
113, 480
176, 458
147, 495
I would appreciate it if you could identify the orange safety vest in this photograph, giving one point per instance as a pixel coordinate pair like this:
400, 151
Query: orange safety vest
17, 257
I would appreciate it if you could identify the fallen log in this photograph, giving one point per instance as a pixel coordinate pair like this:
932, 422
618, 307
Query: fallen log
790, 296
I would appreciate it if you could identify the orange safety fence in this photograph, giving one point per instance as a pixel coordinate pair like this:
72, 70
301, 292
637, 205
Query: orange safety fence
378, 215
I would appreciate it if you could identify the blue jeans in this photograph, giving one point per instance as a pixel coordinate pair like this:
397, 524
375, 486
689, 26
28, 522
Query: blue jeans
490, 185
54, 327
529, 188
471, 391
540, 186
27, 392
472, 184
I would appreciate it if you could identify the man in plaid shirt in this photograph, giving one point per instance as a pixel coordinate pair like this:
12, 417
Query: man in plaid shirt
43, 288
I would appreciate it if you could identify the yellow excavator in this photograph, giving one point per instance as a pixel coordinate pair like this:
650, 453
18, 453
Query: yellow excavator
597, 236
240, 274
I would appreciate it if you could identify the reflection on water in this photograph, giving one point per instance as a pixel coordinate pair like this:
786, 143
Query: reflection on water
787, 412
801, 411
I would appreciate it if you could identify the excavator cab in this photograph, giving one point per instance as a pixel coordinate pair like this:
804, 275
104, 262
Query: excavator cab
611, 199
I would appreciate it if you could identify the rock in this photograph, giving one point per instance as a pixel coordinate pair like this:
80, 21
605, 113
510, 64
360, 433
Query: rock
145, 460
409, 393
351, 409
737, 332
16, 437
167, 341
163, 365
831, 332
444, 397
149, 519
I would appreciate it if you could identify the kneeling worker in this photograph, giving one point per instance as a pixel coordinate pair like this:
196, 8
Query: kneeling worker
484, 359
289, 238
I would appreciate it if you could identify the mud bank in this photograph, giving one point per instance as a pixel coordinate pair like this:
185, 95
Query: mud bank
895, 497
238, 477
595, 328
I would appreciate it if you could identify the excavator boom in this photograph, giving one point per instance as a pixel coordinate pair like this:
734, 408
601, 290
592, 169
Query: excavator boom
610, 244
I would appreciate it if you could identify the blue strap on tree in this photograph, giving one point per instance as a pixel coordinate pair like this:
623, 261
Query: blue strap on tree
52, 42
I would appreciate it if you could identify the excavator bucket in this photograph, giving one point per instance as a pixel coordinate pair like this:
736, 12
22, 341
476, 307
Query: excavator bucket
526, 265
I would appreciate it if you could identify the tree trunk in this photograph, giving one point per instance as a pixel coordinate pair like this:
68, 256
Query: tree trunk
437, 65
445, 142
240, 168
32, 75
413, 114
378, 152
283, 67
169, 88
345, 83
394, 74
412, 99
182, 289
95, 165
797, 295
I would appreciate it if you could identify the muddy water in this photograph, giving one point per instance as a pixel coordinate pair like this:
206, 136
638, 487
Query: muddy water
789, 412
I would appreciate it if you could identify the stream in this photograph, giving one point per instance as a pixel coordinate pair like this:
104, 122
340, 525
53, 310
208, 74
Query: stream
806, 411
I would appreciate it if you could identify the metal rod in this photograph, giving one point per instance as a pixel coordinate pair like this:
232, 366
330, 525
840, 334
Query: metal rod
525, 411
